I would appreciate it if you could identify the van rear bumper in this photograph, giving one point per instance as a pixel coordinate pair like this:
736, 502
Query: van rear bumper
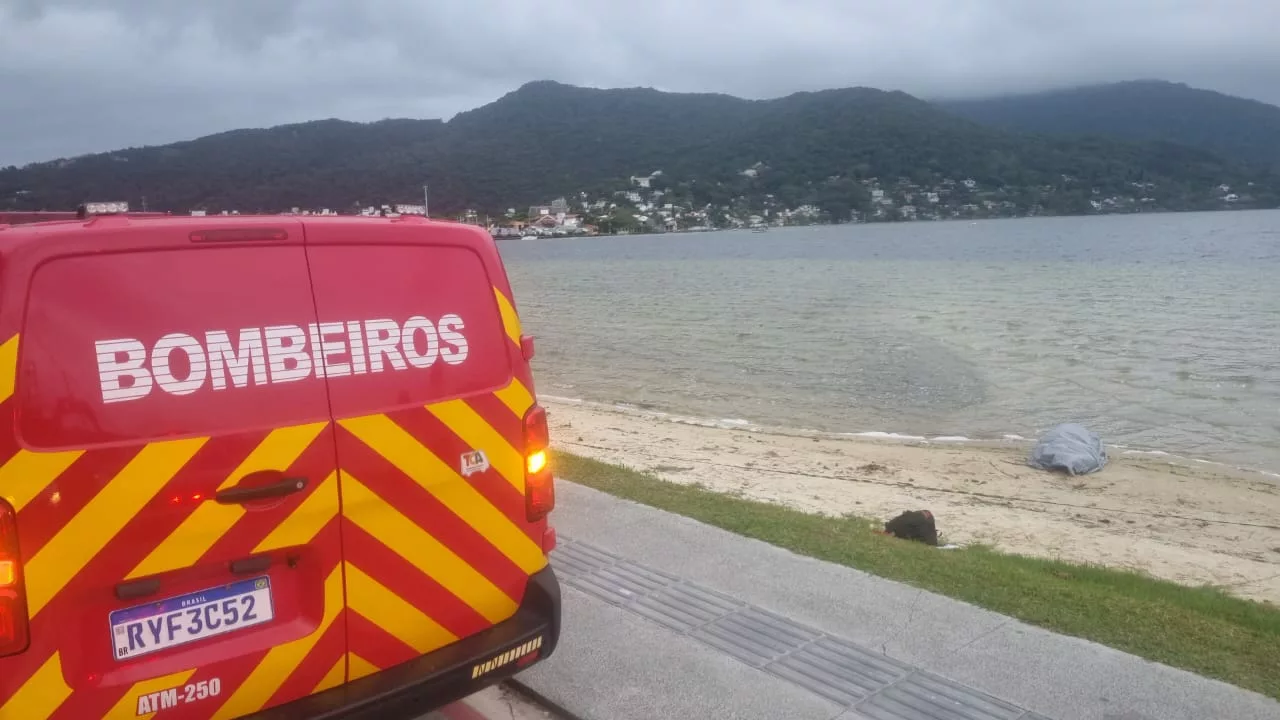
446, 675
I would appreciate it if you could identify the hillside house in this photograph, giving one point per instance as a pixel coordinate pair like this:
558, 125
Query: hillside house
645, 181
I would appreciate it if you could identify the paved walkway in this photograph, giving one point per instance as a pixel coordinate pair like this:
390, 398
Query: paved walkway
494, 703
669, 618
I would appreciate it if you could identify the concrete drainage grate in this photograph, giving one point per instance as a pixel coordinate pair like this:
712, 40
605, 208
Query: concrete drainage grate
683, 607
754, 636
638, 580
874, 685
839, 670
922, 696
575, 559
620, 584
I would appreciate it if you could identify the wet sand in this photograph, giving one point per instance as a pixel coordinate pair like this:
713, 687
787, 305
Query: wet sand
1179, 519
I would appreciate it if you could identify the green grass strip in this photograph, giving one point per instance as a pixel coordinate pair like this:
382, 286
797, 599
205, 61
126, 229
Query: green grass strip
1203, 630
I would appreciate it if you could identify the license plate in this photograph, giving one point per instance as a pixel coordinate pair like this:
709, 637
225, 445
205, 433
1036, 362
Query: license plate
187, 618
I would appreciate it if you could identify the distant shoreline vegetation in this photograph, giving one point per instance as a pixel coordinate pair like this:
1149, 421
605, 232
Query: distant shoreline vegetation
653, 204
635, 160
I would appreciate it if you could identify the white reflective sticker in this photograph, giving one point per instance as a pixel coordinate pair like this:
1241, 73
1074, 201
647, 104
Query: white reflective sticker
474, 462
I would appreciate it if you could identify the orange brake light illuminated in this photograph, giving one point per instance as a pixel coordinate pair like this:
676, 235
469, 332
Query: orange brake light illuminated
537, 461
539, 483
14, 624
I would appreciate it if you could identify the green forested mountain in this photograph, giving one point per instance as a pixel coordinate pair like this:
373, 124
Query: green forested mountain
548, 139
1239, 129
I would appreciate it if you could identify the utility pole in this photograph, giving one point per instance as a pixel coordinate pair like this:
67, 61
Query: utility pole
426, 202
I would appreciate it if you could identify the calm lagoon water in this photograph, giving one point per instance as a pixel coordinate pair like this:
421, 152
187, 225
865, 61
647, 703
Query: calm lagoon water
1160, 332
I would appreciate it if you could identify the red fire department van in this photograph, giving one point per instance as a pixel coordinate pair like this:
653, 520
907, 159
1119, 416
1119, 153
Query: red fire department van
271, 467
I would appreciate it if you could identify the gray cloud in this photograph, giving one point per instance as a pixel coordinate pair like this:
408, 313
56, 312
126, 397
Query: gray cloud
80, 76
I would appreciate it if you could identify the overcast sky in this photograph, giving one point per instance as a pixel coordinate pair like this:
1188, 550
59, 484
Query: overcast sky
81, 76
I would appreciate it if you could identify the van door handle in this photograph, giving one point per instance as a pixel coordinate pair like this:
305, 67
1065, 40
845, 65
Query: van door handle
235, 495
134, 589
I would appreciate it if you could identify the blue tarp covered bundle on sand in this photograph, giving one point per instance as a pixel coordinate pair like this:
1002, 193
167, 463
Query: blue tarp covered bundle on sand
1070, 448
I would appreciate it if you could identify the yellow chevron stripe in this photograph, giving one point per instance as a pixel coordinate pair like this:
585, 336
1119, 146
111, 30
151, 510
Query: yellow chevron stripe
8, 367
105, 515
405, 538
41, 695
335, 677
360, 667
128, 705
209, 522
308, 519
510, 320
390, 612
479, 434
28, 473
516, 397
281, 660
441, 480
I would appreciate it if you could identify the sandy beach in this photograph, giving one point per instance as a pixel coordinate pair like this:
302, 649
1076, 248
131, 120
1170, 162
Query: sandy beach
1180, 519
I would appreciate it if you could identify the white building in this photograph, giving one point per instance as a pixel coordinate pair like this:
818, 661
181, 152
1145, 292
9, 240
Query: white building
645, 181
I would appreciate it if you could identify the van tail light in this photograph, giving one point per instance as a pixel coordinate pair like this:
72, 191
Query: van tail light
539, 483
14, 631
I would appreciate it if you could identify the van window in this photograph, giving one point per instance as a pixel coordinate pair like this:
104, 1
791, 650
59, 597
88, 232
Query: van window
139, 346
430, 326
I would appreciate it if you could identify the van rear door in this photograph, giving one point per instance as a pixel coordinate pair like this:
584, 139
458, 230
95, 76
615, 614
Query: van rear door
422, 380
168, 450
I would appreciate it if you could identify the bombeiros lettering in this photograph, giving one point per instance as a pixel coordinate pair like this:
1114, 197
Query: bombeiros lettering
182, 364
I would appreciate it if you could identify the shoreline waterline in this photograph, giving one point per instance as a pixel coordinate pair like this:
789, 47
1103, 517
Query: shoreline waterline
1007, 440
